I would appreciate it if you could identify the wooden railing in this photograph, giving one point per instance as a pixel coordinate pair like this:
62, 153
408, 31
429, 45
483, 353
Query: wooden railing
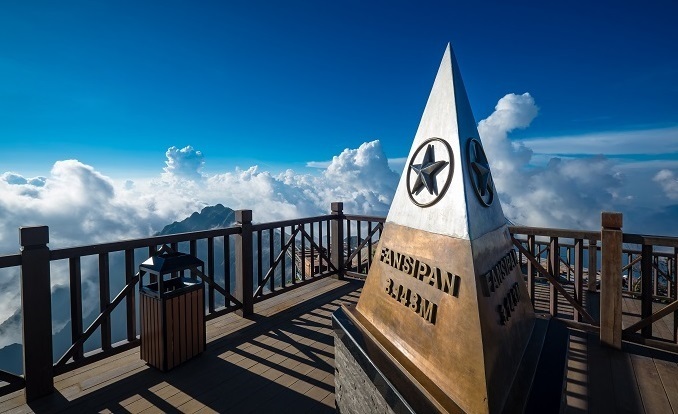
362, 236
8, 381
557, 256
249, 263
244, 264
642, 273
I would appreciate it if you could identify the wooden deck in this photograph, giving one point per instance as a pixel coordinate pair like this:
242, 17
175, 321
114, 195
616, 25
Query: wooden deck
281, 358
282, 361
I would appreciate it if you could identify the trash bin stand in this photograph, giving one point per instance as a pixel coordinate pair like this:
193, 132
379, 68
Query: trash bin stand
172, 326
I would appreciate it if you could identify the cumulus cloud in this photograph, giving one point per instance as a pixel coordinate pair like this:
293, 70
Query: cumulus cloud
82, 206
17, 179
568, 193
669, 183
184, 163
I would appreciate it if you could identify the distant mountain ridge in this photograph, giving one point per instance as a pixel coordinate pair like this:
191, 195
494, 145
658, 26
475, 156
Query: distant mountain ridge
210, 217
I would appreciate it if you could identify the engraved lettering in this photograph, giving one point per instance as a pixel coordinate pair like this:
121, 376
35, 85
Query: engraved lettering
414, 302
384, 253
398, 261
389, 286
428, 311
445, 281
502, 316
404, 296
407, 265
423, 271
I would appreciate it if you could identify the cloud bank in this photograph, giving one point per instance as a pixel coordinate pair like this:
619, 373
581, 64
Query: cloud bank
83, 206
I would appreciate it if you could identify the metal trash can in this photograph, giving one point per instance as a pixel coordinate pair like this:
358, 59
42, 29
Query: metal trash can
172, 310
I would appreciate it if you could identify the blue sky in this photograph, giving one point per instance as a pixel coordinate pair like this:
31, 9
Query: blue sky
114, 84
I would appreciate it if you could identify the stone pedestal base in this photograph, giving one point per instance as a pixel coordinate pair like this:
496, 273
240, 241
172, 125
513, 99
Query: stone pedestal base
368, 380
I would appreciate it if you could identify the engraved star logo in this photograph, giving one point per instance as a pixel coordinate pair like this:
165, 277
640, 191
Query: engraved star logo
429, 172
481, 176
426, 172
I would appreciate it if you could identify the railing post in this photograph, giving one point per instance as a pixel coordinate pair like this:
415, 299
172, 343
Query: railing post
337, 252
593, 265
244, 275
36, 311
611, 280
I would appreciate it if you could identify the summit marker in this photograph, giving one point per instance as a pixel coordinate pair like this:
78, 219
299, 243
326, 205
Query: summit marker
444, 308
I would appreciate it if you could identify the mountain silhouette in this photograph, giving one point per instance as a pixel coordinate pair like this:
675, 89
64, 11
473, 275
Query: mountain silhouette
210, 217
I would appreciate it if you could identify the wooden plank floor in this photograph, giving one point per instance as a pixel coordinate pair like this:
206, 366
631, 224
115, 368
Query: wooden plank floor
280, 360
636, 379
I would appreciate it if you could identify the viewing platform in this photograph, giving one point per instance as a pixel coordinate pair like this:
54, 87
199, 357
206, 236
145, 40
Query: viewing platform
270, 346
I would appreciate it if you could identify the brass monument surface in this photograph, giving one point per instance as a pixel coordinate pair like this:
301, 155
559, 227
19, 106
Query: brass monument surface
445, 296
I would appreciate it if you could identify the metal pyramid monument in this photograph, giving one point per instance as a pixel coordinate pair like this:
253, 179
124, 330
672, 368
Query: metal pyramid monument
445, 296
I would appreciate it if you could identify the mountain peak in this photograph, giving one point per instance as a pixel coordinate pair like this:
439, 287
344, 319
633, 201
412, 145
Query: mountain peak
210, 217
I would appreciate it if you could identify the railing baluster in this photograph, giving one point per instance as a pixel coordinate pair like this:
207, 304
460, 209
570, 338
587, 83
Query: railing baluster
312, 267
193, 247
260, 259
554, 269
210, 274
130, 300
349, 265
531, 271
321, 245
369, 247
151, 252
104, 300
674, 291
294, 256
578, 276
303, 255
657, 276
646, 274
593, 264
271, 281
227, 268
283, 269
76, 302
175, 246
328, 241
359, 224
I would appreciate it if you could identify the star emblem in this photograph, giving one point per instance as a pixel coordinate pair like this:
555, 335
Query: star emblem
426, 172
481, 176
429, 172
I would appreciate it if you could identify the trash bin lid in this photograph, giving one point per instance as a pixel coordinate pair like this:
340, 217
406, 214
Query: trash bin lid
167, 260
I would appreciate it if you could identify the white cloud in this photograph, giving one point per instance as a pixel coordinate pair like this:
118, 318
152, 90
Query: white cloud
566, 193
184, 163
17, 179
669, 183
644, 141
82, 206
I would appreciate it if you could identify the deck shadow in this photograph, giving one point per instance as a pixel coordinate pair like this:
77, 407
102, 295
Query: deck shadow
277, 360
